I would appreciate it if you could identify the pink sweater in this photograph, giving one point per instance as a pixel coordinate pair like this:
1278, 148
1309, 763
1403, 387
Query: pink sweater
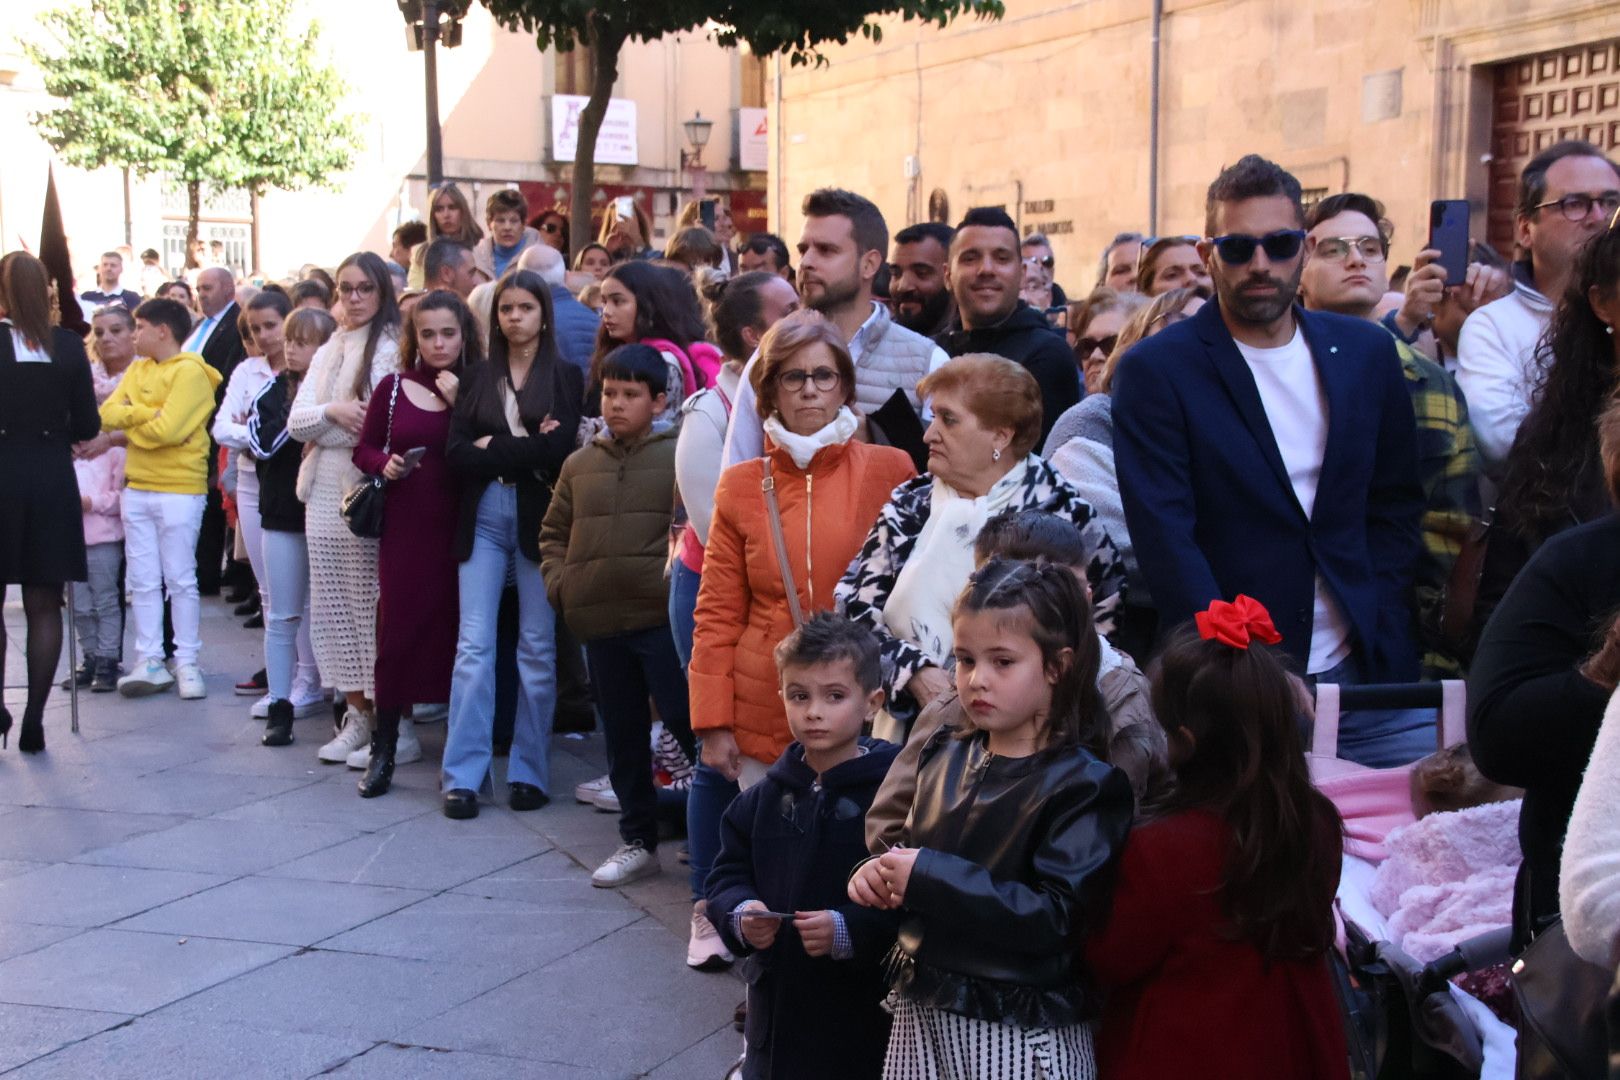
102, 479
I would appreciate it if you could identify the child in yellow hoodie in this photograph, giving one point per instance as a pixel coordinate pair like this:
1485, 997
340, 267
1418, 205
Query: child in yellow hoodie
163, 403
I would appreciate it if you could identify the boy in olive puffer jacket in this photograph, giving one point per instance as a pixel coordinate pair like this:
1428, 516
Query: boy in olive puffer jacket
603, 547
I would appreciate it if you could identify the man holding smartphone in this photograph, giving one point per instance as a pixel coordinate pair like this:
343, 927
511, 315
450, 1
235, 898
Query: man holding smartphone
1567, 195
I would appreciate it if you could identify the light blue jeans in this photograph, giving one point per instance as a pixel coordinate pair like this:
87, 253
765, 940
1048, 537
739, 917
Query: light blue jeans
468, 748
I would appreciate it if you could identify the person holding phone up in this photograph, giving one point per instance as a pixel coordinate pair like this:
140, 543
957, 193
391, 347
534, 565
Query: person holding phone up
407, 425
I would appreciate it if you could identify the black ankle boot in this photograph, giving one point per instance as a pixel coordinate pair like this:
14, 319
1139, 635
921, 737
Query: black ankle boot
278, 731
5, 725
106, 677
380, 770
31, 739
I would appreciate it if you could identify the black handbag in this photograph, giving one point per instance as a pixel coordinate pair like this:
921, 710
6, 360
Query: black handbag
362, 505
1562, 1000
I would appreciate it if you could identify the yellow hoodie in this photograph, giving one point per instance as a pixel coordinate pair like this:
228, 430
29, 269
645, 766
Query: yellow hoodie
163, 406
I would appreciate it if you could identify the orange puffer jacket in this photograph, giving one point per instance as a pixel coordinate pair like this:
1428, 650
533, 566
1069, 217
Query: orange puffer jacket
742, 608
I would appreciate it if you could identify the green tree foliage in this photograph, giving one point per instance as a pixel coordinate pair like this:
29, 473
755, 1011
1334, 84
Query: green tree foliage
229, 93
796, 29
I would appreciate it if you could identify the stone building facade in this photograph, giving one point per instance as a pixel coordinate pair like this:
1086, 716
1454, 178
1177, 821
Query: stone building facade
1049, 110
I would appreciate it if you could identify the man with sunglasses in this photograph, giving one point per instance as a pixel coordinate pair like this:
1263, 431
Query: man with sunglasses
1036, 246
985, 274
1347, 271
1567, 195
1267, 450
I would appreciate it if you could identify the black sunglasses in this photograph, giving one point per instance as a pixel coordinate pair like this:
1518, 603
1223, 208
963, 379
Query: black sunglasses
1084, 347
1280, 246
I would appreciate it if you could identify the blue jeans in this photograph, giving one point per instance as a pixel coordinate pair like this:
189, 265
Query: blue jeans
710, 793
467, 748
1379, 738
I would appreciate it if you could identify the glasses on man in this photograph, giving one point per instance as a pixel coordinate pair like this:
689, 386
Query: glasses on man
1338, 248
1044, 261
1237, 249
365, 288
824, 378
1086, 346
1577, 206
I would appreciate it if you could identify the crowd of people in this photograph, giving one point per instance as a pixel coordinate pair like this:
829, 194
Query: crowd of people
964, 625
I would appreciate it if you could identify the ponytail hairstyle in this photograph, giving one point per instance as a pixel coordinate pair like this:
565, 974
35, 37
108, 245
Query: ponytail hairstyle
1053, 610
1239, 710
736, 304
472, 349
538, 397
386, 321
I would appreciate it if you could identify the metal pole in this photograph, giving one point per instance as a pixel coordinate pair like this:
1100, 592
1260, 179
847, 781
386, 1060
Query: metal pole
1153, 126
700, 181
430, 66
73, 657
129, 217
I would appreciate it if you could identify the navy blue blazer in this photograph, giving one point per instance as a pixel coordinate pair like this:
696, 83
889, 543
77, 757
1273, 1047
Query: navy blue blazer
1209, 506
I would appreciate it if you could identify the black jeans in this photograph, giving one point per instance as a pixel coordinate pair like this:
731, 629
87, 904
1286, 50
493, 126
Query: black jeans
626, 669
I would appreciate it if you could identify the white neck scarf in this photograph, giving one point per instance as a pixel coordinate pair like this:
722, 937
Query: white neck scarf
802, 448
925, 590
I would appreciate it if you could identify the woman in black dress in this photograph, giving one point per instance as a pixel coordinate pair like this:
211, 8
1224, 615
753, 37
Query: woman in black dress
47, 404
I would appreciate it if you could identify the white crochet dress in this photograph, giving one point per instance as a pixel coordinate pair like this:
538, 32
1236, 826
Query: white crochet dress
342, 566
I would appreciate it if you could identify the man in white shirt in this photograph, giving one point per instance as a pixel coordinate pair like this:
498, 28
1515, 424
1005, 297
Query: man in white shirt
841, 251
1567, 194
1269, 451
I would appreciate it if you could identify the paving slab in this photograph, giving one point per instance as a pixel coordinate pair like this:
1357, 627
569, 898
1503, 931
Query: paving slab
426, 852
47, 834
274, 910
644, 965
336, 804
127, 972
709, 1059
216, 846
553, 882
67, 894
17, 938
389, 1061
30, 1031
341, 994
149, 1048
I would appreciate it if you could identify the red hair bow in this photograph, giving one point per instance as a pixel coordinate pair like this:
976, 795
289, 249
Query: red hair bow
1237, 623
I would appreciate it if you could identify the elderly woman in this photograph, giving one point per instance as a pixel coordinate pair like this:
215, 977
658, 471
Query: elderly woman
828, 489
987, 418
1081, 446
1094, 327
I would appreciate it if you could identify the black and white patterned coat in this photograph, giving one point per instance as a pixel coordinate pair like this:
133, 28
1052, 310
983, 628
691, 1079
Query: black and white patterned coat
867, 584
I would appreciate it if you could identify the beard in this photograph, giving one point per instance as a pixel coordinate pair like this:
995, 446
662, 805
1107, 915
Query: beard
834, 295
928, 316
1258, 310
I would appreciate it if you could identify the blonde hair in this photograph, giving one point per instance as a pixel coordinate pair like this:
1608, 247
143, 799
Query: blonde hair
1000, 393
1145, 323
309, 326
784, 341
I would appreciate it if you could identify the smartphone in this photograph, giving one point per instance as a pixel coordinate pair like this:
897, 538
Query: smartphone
625, 207
413, 456
1448, 234
706, 213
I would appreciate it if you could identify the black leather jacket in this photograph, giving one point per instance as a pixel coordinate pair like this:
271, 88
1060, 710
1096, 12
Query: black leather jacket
1017, 858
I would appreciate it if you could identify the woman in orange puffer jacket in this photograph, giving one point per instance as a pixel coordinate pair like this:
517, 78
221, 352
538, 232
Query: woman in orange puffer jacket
829, 489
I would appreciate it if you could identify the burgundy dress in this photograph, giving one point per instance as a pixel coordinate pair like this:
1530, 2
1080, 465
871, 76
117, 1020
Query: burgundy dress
418, 606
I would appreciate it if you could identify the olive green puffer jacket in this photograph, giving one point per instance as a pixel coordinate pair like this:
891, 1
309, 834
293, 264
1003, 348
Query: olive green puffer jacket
605, 539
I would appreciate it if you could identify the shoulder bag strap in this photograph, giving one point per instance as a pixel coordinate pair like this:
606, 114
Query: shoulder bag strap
774, 512
393, 396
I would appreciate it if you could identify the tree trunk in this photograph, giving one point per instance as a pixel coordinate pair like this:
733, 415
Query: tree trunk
605, 46
193, 212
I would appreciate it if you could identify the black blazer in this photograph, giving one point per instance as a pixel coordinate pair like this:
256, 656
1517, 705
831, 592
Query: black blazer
531, 463
223, 349
1209, 505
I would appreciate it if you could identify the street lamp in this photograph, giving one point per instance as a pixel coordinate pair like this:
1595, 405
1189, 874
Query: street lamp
426, 23
697, 133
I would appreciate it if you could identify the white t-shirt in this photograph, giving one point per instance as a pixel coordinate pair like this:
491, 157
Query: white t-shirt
1297, 411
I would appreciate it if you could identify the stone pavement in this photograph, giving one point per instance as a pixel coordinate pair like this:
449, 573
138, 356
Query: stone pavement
178, 901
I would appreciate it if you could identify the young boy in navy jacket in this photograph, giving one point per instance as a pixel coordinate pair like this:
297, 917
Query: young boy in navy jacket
787, 846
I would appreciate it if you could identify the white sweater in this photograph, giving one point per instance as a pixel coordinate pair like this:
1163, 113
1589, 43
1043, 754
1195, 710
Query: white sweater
1589, 881
1496, 368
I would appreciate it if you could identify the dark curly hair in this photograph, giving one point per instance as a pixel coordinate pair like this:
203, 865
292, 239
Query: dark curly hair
1554, 475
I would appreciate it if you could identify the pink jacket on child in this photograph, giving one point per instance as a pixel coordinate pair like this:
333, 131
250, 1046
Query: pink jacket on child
102, 478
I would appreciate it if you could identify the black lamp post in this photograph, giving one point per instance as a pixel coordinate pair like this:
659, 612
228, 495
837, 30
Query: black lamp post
426, 23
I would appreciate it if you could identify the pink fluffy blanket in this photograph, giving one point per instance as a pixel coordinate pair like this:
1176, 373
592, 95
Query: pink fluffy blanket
1448, 878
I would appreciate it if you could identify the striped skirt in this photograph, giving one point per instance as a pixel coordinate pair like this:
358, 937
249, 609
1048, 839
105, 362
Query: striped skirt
931, 1044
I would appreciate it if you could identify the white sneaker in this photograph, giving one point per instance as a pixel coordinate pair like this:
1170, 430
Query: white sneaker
632, 862
607, 801
705, 951
149, 677
261, 708
189, 679
429, 714
407, 750
587, 791
301, 707
356, 735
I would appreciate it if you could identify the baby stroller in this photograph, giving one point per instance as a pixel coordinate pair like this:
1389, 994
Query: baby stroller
1403, 1018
